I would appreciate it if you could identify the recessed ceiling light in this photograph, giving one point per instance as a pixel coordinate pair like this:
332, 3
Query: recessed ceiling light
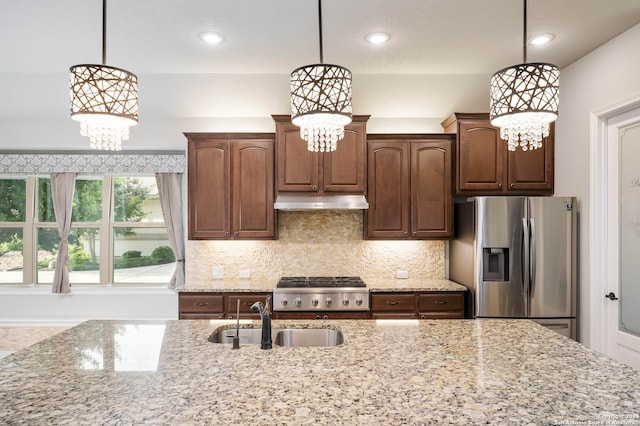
211, 37
377, 38
540, 39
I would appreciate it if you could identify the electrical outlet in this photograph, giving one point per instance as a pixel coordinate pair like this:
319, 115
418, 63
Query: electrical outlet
217, 272
244, 273
401, 275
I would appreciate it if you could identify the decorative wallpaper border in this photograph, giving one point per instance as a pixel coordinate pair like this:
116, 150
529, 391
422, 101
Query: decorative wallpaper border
92, 163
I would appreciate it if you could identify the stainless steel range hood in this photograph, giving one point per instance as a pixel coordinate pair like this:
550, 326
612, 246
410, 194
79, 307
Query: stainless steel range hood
321, 202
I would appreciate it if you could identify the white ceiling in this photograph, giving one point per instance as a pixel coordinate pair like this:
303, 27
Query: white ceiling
159, 38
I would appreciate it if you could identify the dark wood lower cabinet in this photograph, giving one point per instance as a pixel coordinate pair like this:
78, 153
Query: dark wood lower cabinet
417, 305
218, 305
387, 305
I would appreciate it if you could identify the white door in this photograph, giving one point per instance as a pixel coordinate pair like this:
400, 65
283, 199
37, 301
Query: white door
621, 296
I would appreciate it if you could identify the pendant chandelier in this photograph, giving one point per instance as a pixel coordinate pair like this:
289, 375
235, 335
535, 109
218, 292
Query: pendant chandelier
524, 100
104, 99
321, 101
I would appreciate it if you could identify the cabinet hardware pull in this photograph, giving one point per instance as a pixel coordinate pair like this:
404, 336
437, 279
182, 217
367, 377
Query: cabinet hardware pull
440, 302
326, 188
405, 234
248, 304
415, 233
317, 316
236, 233
513, 185
325, 317
499, 185
392, 302
202, 303
226, 234
314, 187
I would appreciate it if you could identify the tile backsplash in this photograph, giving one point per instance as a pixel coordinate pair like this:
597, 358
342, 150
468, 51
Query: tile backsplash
313, 243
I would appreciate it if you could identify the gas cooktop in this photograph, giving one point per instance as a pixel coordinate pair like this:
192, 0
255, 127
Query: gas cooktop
321, 293
300, 282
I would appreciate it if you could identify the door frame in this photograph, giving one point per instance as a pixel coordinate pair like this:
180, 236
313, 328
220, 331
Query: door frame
598, 224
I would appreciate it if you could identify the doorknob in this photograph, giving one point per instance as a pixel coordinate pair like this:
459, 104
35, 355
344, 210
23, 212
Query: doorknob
611, 296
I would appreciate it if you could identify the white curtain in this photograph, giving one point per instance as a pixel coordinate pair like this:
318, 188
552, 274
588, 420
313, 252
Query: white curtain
62, 187
170, 190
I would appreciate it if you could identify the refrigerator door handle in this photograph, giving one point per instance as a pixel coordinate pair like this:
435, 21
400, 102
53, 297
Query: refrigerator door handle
525, 264
532, 255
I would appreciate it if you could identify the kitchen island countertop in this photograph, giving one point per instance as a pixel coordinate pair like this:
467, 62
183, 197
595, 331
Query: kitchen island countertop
495, 372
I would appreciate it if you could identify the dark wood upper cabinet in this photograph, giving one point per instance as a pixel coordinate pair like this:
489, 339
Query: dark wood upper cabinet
315, 173
231, 185
485, 166
409, 187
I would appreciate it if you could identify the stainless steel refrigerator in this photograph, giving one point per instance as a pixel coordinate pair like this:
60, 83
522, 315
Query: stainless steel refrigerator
517, 256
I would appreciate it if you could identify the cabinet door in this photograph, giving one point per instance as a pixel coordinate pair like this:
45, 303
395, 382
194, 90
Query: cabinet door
343, 171
209, 189
431, 194
388, 189
252, 206
480, 157
532, 171
441, 305
297, 166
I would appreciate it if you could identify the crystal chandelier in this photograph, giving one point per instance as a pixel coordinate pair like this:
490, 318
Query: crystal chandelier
321, 101
104, 99
524, 100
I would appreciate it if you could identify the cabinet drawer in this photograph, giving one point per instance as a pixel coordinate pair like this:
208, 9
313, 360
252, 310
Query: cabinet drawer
442, 315
393, 315
439, 302
390, 302
200, 316
202, 303
246, 300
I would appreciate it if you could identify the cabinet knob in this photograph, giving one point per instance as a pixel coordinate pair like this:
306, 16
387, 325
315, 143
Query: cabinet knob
414, 233
314, 187
513, 185
226, 234
236, 233
499, 185
326, 188
406, 234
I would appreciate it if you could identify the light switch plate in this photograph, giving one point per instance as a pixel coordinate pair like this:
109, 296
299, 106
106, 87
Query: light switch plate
217, 272
244, 273
401, 275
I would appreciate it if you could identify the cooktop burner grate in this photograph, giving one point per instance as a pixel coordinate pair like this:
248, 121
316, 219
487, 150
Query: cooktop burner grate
293, 282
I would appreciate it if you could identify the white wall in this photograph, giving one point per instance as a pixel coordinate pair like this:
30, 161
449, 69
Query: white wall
606, 75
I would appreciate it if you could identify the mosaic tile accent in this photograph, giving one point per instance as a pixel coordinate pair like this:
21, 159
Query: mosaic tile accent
311, 243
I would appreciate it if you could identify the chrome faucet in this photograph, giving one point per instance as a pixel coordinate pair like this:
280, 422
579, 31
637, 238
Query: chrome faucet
265, 317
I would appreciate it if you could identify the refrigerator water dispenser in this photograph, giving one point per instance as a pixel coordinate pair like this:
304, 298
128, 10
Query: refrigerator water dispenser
495, 264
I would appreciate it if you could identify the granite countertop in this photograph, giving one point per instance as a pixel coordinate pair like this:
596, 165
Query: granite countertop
373, 285
494, 372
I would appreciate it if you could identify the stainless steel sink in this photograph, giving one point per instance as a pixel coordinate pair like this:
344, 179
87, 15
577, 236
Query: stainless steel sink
247, 335
308, 337
290, 337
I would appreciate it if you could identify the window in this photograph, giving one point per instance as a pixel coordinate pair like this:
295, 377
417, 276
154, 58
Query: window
13, 204
118, 235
